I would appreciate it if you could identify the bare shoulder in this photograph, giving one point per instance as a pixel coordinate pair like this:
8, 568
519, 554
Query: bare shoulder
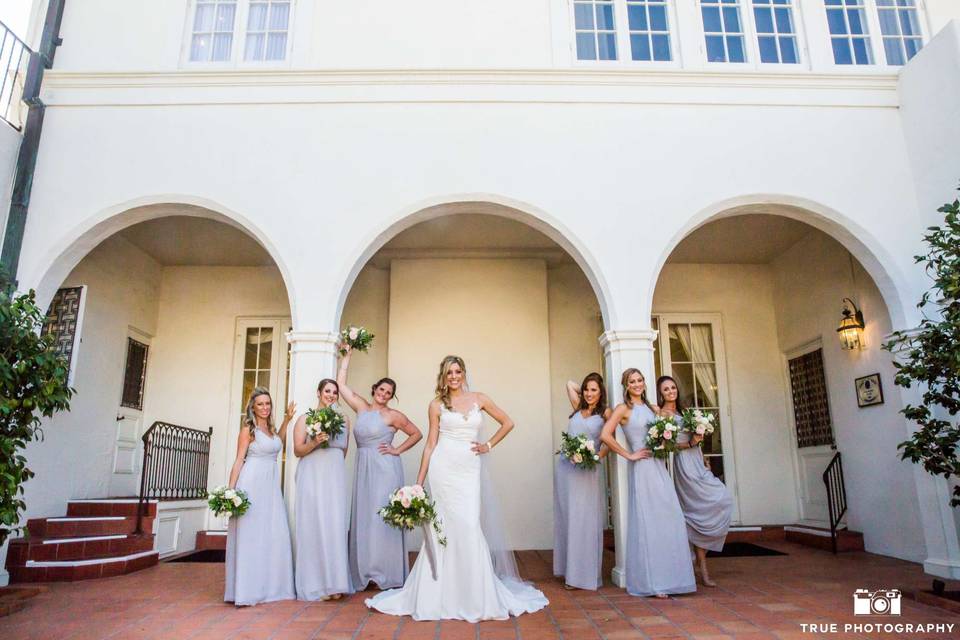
482, 399
607, 413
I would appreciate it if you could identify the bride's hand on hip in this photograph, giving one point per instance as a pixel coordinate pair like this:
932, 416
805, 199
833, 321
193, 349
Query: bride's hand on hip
388, 450
480, 447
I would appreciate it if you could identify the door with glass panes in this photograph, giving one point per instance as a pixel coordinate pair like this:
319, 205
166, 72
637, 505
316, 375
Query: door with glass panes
689, 347
261, 359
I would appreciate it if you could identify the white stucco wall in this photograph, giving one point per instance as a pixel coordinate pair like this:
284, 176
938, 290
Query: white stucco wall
809, 282
9, 148
744, 297
75, 459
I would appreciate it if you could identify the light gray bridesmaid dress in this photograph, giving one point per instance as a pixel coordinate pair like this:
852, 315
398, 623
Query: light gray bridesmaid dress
579, 507
706, 502
323, 522
378, 552
259, 562
657, 554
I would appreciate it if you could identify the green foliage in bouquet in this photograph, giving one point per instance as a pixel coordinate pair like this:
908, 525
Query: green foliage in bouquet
579, 450
662, 436
232, 502
325, 420
358, 338
411, 507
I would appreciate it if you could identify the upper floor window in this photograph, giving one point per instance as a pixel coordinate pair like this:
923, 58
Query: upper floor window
595, 27
262, 26
723, 30
776, 34
899, 29
849, 34
649, 30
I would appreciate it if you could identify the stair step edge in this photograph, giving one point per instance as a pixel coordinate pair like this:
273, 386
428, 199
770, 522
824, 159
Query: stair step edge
80, 563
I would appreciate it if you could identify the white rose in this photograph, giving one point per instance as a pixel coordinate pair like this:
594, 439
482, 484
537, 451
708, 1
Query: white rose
229, 494
237, 501
589, 445
701, 429
354, 333
577, 458
596, 457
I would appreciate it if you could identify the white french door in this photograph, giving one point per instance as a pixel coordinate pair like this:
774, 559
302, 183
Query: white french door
261, 359
689, 348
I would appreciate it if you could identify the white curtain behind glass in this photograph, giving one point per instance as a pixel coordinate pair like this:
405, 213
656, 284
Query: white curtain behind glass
697, 341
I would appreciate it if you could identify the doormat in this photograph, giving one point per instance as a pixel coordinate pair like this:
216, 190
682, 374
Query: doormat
742, 550
205, 555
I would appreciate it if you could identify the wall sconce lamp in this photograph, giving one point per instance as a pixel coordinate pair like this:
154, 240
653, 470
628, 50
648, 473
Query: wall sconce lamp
851, 327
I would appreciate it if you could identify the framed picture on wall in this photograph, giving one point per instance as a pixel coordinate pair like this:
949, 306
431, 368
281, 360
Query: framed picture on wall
869, 390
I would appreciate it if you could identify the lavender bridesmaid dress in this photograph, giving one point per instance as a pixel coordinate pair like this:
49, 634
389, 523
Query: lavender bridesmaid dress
323, 518
706, 502
658, 554
378, 552
579, 507
259, 559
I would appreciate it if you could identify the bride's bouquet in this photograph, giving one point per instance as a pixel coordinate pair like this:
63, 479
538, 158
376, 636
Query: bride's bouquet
697, 422
325, 420
229, 502
411, 507
662, 436
358, 338
579, 450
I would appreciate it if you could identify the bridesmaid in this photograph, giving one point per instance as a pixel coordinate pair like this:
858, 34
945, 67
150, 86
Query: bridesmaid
657, 553
378, 551
259, 560
323, 571
706, 502
579, 500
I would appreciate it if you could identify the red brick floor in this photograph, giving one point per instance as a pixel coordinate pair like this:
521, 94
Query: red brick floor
758, 597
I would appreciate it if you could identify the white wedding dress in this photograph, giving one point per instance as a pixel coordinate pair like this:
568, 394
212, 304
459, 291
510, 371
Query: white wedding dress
467, 587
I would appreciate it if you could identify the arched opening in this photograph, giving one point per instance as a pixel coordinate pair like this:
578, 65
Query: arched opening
515, 305
747, 306
174, 317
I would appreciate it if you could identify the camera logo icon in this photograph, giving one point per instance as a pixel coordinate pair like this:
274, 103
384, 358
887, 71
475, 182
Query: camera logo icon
882, 602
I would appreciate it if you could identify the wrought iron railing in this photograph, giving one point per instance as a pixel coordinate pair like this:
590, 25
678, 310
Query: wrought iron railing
14, 59
175, 464
836, 496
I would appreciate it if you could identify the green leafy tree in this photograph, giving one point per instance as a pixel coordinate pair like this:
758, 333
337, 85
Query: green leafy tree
929, 356
33, 385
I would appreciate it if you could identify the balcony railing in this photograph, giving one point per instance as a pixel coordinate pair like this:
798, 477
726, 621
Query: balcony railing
14, 58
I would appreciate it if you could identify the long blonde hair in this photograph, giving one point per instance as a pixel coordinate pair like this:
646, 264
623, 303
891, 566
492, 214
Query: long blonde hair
627, 400
443, 391
250, 418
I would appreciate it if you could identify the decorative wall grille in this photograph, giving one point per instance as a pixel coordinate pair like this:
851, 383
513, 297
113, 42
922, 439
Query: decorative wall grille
134, 374
811, 410
62, 319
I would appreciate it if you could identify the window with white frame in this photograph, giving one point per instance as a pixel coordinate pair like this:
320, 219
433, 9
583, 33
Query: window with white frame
899, 29
776, 32
723, 30
649, 28
595, 28
849, 33
262, 26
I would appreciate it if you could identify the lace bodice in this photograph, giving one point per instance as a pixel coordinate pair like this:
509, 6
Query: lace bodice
460, 426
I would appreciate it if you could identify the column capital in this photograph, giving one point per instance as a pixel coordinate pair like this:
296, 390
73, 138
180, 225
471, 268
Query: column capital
628, 339
313, 341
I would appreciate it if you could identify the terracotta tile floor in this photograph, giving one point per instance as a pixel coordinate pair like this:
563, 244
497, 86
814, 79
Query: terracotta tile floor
761, 597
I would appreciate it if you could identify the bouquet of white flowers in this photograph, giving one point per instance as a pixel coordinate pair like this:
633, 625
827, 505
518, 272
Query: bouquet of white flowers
697, 422
662, 436
358, 338
232, 502
579, 450
325, 420
410, 507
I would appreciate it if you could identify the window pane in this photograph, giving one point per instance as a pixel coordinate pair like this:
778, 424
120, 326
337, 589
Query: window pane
836, 22
637, 17
200, 48
607, 46
250, 348
711, 19
254, 46
605, 16
731, 19
266, 348
735, 49
279, 16
658, 17
203, 19
893, 51
225, 14
841, 51
860, 51
276, 46
586, 47
640, 47
913, 46
683, 374
583, 16
764, 20
788, 50
768, 49
715, 50
888, 23
222, 43
855, 20
257, 17
661, 47
784, 20
249, 382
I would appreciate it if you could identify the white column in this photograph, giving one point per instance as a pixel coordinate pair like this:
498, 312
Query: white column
623, 349
313, 357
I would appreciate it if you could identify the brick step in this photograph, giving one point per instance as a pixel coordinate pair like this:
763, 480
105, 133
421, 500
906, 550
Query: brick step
211, 539
820, 538
755, 533
72, 570
74, 527
33, 548
109, 507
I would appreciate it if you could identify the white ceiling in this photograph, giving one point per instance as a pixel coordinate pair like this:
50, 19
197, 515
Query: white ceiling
742, 239
187, 240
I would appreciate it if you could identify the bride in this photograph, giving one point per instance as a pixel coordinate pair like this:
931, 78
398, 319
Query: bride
468, 585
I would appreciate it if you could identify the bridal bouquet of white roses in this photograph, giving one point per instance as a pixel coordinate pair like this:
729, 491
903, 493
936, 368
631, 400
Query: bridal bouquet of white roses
325, 420
579, 450
232, 502
697, 422
411, 507
358, 338
662, 436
